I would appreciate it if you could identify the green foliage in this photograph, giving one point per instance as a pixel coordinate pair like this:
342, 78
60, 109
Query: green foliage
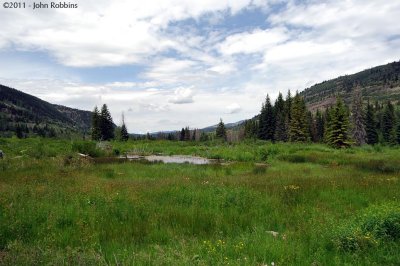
357, 119
337, 126
282, 120
20, 111
87, 147
370, 125
388, 123
220, 132
106, 124
60, 209
320, 126
266, 124
124, 131
95, 130
373, 226
251, 129
298, 128
379, 83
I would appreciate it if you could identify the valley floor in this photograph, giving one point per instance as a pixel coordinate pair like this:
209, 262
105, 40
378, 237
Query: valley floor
287, 204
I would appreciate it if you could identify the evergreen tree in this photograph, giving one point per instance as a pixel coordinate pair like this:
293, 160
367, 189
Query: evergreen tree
19, 131
182, 135
221, 130
370, 125
312, 127
170, 136
187, 134
288, 106
398, 133
124, 131
281, 117
96, 133
267, 121
337, 126
320, 126
388, 123
203, 136
250, 129
357, 119
298, 128
106, 124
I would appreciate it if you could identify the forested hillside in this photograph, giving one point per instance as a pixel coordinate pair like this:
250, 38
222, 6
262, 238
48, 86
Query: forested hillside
26, 115
380, 83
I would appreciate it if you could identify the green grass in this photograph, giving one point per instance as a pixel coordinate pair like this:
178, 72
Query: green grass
330, 207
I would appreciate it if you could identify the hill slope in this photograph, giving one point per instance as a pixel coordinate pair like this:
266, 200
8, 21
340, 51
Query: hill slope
380, 83
18, 109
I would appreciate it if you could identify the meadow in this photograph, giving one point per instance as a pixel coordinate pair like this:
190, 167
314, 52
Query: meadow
266, 204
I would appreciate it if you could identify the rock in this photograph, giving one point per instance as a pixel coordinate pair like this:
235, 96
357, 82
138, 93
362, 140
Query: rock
1, 154
273, 233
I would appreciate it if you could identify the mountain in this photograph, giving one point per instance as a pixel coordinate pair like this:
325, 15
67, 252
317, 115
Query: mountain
227, 126
381, 83
21, 111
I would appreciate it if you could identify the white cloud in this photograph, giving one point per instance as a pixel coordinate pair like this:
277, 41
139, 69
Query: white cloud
253, 42
182, 95
224, 68
104, 33
233, 108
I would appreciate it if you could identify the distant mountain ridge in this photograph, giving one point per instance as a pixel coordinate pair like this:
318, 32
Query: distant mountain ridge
380, 83
21, 109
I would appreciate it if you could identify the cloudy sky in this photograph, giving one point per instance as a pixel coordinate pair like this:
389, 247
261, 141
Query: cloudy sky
173, 63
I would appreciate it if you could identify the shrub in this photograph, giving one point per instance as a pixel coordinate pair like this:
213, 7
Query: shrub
87, 147
375, 225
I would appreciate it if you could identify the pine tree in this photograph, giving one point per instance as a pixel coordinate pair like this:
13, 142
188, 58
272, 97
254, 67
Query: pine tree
288, 106
19, 131
267, 121
221, 130
357, 119
398, 133
250, 129
124, 131
187, 134
312, 127
96, 132
320, 126
337, 126
182, 135
388, 122
203, 136
298, 128
106, 124
281, 120
370, 125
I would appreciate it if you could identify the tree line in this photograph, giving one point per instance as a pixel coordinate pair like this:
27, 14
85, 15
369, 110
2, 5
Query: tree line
288, 120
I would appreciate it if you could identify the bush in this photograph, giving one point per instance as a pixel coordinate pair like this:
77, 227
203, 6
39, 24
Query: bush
87, 147
376, 225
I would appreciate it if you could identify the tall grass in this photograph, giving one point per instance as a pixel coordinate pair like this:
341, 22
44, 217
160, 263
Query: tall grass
321, 205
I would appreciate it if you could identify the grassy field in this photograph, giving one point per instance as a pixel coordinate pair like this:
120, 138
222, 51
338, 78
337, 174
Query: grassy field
287, 204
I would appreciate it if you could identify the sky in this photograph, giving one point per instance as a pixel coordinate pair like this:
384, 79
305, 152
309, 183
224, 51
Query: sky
169, 64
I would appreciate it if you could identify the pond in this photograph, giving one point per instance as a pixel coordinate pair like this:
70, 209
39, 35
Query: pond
180, 159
